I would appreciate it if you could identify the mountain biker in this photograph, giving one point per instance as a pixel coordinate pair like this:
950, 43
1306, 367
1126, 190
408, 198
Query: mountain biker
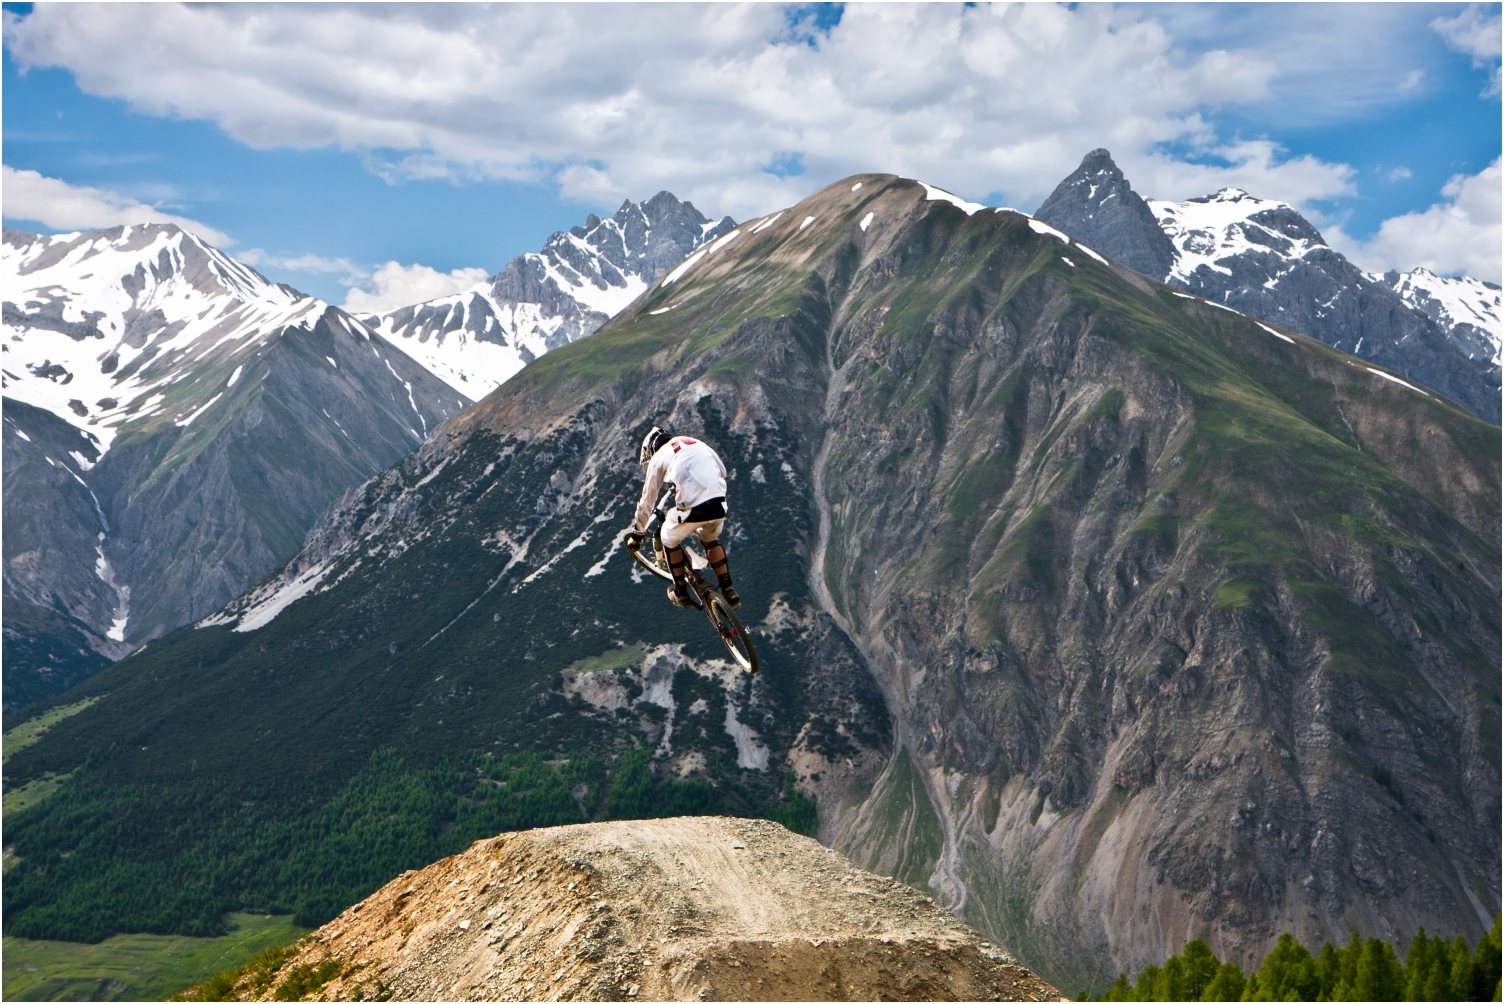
699, 481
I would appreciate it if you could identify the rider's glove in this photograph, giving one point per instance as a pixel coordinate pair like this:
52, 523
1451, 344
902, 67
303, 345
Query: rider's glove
633, 539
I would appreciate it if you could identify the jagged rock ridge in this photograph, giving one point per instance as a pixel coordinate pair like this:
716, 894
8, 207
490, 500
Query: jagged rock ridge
680, 909
1265, 259
475, 340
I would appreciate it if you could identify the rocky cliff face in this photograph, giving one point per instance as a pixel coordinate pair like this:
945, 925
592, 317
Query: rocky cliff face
1265, 259
475, 340
672, 910
1112, 616
174, 424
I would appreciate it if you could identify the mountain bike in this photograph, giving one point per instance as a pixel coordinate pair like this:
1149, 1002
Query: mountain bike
702, 594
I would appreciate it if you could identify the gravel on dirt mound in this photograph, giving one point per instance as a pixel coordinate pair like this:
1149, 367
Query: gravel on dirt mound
695, 908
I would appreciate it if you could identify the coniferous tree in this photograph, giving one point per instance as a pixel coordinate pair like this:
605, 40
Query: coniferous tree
1347, 969
1462, 970
1438, 985
1420, 961
1227, 985
1147, 986
1328, 971
1289, 969
1486, 964
1201, 965
1433, 969
1378, 973
1173, 984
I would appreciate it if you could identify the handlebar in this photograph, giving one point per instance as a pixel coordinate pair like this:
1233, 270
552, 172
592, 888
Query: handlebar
658, 511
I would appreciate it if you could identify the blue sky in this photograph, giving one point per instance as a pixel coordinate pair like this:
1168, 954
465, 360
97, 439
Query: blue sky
376, 155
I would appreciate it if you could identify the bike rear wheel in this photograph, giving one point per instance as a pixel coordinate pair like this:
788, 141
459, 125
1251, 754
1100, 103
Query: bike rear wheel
733, 635
647, 557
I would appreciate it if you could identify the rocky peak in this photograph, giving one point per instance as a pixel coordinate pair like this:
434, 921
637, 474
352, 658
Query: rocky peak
1264, 258
1096, 205
476, 339
669, 910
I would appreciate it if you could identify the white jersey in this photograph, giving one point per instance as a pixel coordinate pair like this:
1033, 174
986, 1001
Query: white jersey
693, 468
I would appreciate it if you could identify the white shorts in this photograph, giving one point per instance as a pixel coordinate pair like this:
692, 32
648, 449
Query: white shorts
674, 532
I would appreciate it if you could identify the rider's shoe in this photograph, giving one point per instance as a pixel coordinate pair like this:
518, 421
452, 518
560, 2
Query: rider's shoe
732, 600
678, 595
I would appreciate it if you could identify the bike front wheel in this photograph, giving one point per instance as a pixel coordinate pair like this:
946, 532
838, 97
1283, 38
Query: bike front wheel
733, 635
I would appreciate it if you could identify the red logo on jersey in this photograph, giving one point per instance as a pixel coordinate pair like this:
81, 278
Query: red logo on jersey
682, 439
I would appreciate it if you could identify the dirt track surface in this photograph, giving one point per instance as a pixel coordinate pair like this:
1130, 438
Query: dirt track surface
702, 908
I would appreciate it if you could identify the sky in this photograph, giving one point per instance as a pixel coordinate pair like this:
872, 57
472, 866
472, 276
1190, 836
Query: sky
377, 155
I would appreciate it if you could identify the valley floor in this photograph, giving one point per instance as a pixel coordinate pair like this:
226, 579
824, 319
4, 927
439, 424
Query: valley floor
133, 966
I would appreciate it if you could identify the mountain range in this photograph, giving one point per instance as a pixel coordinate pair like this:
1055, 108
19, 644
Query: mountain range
1265, 259
174, 423
69, 589
476, 339
1109, 614
133, 335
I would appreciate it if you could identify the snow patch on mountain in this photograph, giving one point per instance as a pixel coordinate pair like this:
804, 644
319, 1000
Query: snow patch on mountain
1394, 379
260, 607
933, 194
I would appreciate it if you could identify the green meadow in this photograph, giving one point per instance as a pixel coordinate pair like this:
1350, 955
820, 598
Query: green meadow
134, 966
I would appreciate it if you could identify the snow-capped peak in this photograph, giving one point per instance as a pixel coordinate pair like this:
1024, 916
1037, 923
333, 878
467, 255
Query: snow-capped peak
477, 339
101, 325
1210, 230
1229, 195
1467, 308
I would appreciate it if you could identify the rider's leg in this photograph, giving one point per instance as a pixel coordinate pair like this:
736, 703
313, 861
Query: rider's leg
716, 555
672, 535
678, 566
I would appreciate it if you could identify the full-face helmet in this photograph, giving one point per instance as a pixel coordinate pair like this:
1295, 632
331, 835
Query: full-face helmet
651, 444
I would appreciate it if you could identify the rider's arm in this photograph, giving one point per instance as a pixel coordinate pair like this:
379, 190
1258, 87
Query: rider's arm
657, 470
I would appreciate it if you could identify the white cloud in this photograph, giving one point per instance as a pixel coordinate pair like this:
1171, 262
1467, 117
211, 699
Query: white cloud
397, 285
1459, 234
57, 205
621, 100
1401, 173
614, 101
350, 272
1476, 32
1261, 167
1314, 80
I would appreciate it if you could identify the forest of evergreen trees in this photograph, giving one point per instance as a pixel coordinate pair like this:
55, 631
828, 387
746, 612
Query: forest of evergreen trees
94, 860
1434, 969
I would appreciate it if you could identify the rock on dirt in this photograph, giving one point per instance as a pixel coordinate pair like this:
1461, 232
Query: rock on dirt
688, 909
